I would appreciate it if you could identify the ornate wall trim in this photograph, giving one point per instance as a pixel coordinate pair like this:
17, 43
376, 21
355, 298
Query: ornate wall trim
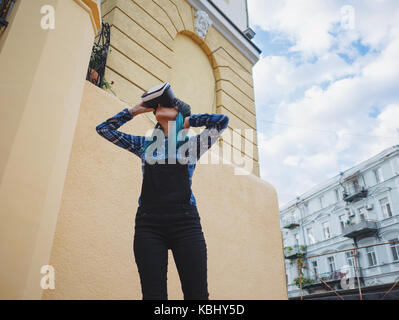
202, 23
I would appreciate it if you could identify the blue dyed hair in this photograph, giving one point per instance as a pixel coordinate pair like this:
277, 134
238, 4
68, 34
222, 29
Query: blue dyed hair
177, 132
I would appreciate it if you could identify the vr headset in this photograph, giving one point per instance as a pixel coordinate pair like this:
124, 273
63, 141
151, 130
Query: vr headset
162, 94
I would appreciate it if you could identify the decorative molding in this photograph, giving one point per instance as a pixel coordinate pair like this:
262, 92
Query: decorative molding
93, 9
202, 23
222, 25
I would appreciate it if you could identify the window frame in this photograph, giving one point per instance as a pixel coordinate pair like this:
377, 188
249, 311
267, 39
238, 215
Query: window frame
394, 246
331, 262
327, 223
378, 175
312, 234
342, 223
388, 208
371, 256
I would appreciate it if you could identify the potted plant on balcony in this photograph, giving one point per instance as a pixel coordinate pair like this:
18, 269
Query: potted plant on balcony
305, 281
350, 222
295, 252
303, 248
288, 250
300, 250
92, 76
108, 85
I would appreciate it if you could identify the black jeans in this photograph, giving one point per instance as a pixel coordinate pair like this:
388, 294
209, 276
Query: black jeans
156, 231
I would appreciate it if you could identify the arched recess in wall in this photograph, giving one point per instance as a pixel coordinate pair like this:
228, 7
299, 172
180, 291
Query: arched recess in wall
192, 76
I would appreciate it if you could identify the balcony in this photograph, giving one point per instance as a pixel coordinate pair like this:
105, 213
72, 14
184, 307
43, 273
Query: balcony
356, 195
290, 223
294, 252
332, 278
98, 59
361, 229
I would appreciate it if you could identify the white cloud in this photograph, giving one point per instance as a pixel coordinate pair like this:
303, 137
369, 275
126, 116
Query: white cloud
306, 22
278, 77
321, 113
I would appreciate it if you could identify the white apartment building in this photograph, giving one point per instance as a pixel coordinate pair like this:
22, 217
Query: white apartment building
358, 207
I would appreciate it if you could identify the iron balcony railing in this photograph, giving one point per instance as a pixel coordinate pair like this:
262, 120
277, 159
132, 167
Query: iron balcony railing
290, 223
352, 272
295, 252
355, 194
5, 9
98, 59
332, 276
360, 229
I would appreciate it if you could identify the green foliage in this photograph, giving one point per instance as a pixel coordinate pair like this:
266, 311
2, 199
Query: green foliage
97, 56
303, 248
107, 85
305, 281
300, 250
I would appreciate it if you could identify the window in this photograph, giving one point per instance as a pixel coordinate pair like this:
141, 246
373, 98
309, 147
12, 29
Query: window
350, 258
386, 207
309, 232
336, 192
315, 267
354, 186
331, 264
362, 213
342, 221
305, 209
302, 212
321, 200
326, 230
378, 175
395, 249
295, 216
372, 259
296, 236
395, 165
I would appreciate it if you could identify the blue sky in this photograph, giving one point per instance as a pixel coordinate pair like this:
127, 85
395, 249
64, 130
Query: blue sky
326, 87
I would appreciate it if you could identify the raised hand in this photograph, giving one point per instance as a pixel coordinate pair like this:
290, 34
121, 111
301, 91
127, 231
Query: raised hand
139, 108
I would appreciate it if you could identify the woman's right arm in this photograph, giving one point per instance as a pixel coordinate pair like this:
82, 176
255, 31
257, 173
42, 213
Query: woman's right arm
108, 129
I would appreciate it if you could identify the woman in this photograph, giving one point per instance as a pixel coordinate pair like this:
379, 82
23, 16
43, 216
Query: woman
167, 216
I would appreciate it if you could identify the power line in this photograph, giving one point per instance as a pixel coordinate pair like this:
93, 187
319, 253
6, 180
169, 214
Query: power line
327, 131
294, 126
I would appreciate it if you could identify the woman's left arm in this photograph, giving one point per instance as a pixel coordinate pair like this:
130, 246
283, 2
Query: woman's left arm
215, 124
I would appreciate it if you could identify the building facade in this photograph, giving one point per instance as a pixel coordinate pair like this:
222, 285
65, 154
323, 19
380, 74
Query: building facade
357, 208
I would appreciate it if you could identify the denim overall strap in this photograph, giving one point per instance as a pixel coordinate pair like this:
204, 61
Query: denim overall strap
166, 185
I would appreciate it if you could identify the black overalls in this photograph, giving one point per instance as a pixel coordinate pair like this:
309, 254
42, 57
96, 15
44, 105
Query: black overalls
165, 184
166, 220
